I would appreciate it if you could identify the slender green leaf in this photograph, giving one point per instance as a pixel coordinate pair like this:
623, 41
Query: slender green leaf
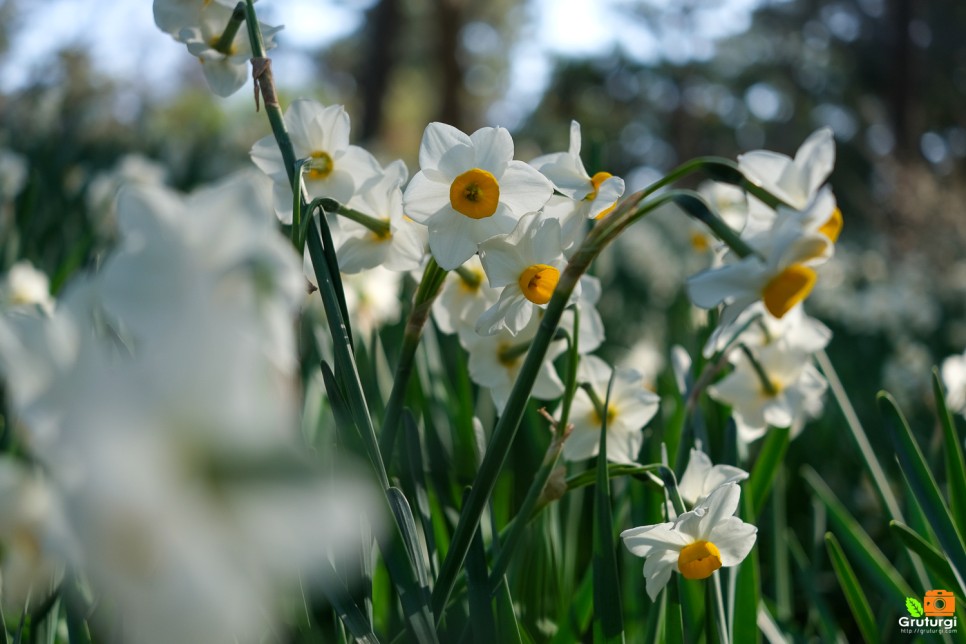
934, 560
348, 611
744, 627
859, 544
412, 475
914, 467
477, 580
852, 590
806, 573
404, 517
580, 607
770, 457
953, 450
608, 622
673, 612
509, 631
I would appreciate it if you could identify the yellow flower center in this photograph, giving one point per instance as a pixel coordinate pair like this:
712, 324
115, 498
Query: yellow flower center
833, 226
538, 281
598, 421
788, 288
319, 165
384, 234
699, 559
475, 193
699, 242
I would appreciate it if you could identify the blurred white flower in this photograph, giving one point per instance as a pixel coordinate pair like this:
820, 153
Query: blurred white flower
756, 327
630, 408
24, 286
13, 174
729, 202
469, 189
171, 16
794, 181
372, 299
34, 537
495, 362
695, 544
465, 294
102, 191
591, 331
792, 395
954, 379
526, 264
334, 169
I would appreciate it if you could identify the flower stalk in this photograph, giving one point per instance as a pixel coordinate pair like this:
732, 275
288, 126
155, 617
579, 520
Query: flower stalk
224, 43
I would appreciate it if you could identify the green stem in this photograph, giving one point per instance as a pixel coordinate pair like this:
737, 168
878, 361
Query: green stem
380, 227
623, 216
471, 279
719, 610
766, 382
224, 43
426, 293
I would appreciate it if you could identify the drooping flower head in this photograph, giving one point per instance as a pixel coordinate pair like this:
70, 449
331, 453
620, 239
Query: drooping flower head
469, 189
794, 181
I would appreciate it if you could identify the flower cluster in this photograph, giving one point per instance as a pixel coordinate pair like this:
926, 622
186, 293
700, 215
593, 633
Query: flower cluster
762, 326
698, 542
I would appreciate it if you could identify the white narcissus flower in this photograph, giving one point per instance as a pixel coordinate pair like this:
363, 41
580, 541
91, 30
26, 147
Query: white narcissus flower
334, 169
25, 286
631, 407
495, 362
226, 67
793, 393
372, 298
954, 378
794, 181
596, 195
781, 280
695, 544
526, 264
469, 189
463, 298
701, 477
756, 327
403, 246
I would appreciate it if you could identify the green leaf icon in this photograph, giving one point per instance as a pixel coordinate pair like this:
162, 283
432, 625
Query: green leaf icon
913, 606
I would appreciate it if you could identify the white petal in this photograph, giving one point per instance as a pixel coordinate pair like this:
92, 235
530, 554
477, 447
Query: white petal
720, 505
438, 139
523, 189
266, 155
493, 149
451, 239
425, 197
712, 287
816, 158
224, 77
734, 539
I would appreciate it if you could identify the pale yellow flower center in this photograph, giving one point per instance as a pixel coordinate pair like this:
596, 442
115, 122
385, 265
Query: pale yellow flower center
475, 194
213, 43
833, 226
595, 418
699, 559
699, 242
538, 281
788, 288
320, 165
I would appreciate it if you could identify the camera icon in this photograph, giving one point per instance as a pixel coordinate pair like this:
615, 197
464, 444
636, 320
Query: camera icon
939, 603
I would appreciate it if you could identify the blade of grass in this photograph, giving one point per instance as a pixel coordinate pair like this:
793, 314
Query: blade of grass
953, 450
935, 561
477, 581
508, 629
849, 583
859, 544
747, 588
769, 459
914, 467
